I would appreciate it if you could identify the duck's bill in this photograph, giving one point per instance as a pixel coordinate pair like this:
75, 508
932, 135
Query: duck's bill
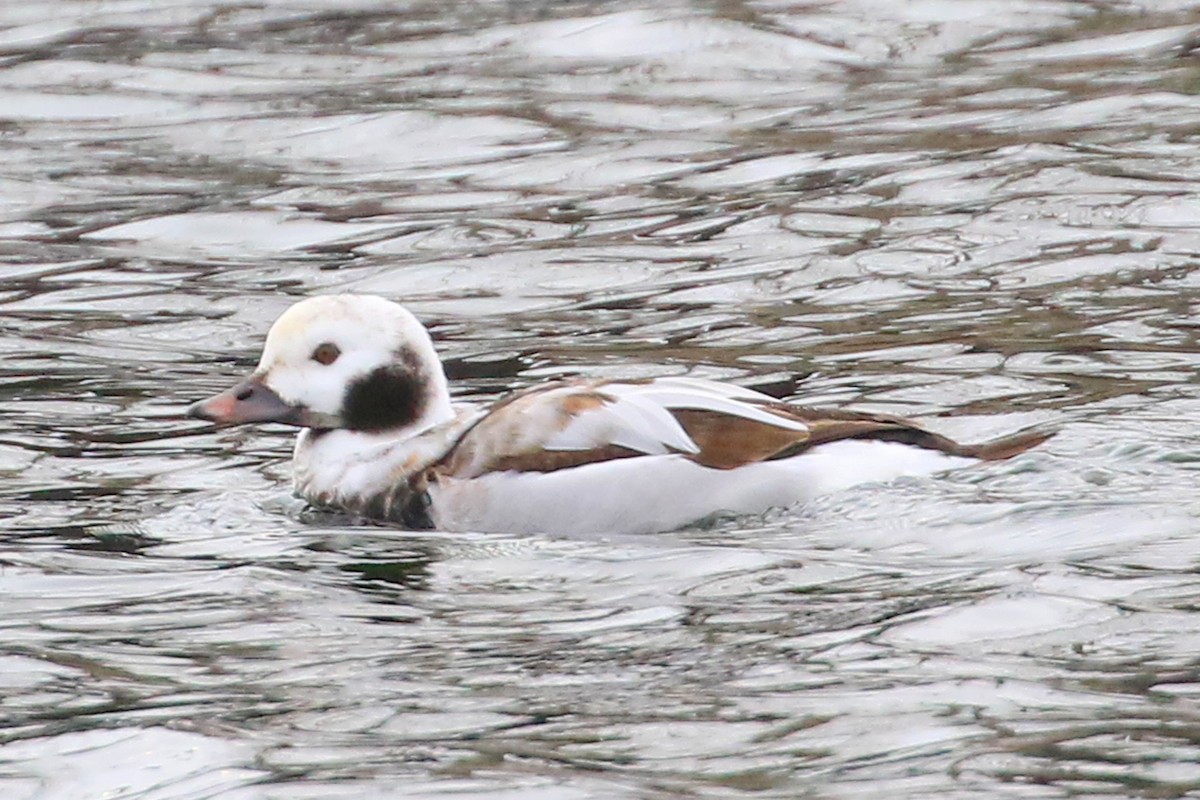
254, 401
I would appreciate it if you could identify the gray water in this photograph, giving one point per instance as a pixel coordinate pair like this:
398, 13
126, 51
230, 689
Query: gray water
980, 214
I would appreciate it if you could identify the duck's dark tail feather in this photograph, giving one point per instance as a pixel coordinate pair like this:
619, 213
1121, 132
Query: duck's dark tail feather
1006, 447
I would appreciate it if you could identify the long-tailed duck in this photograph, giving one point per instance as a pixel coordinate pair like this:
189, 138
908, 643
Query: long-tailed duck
381, 437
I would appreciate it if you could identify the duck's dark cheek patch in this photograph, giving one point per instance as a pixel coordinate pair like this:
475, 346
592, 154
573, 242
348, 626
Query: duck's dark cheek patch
387, 398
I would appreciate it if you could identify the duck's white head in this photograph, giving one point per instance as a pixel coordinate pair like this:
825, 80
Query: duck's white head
356, 362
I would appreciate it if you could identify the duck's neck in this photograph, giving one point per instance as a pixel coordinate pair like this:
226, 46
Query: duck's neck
329, 464
438, 410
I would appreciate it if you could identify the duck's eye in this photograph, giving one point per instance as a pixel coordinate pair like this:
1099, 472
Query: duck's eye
326, 353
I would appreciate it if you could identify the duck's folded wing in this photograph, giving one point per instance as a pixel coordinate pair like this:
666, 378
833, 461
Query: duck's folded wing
571, 424
715, 425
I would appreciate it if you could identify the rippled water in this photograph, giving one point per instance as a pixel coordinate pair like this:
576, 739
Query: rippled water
981, 214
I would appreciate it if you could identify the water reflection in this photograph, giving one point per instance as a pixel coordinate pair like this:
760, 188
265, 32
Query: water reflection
974, 214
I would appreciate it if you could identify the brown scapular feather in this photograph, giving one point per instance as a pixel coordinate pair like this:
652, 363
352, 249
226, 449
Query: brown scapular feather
724, 441
551, 460
727, 442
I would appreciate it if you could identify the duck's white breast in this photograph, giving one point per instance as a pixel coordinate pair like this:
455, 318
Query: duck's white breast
660, 493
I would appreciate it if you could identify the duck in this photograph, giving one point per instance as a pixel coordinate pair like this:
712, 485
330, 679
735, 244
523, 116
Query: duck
382, 438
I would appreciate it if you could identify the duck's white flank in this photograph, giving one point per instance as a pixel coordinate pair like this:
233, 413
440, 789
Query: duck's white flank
382, 438
665, 492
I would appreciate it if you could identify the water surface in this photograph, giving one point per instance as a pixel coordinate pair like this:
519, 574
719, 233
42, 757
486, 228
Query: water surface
982, 218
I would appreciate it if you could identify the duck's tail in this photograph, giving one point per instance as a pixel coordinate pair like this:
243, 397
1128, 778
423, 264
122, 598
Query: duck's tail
1005, 447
